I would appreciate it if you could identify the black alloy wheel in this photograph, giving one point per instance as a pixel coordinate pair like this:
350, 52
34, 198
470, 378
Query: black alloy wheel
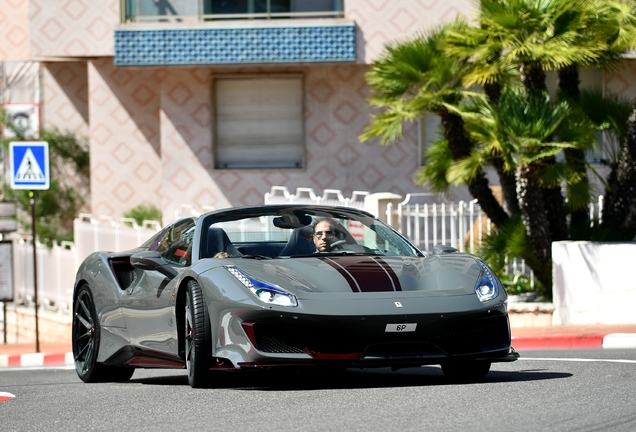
86, 335
198, 344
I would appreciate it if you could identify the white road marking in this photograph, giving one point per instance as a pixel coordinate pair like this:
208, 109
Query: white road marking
5, 396
579, 360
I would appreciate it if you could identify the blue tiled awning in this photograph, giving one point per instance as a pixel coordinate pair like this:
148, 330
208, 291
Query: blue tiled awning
235, 45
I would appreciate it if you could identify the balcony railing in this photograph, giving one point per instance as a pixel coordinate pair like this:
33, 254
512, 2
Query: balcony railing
187, 11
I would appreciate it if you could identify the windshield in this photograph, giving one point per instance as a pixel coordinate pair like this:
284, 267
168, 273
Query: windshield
293, 231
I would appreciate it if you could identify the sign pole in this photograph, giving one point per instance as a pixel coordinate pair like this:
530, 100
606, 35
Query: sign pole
4, 317
35, 270
29, 163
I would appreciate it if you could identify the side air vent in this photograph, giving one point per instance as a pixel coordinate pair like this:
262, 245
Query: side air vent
124, 272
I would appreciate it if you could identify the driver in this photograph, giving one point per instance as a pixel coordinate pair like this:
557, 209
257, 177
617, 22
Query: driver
325, 233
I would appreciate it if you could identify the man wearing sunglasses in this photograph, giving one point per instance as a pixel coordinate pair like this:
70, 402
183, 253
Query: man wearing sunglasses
325, 234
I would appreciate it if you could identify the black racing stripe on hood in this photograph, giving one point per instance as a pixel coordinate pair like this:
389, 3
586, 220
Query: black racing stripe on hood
365, 274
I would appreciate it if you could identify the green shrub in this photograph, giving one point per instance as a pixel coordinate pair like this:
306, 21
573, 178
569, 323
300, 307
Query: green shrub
144, 212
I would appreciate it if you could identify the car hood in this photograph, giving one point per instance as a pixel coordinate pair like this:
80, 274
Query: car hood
452, 274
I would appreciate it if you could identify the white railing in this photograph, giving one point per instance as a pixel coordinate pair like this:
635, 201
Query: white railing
58, 265
303, 195
425, 223
188, 210
188, 11
56, 274
107, 235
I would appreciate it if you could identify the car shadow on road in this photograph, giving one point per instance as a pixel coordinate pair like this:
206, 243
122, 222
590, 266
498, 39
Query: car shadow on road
311, 379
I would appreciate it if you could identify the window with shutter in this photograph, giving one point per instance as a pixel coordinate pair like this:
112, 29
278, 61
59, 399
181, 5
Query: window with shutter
259, 122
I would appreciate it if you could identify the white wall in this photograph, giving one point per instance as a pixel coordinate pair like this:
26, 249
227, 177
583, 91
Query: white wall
594, 283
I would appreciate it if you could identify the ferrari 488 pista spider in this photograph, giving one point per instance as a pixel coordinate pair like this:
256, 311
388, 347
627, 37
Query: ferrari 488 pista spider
285, 286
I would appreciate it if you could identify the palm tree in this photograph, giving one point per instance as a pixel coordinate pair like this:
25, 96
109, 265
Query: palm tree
619, 218
535, 36
520, 128
603, 24
414, 77
619, 221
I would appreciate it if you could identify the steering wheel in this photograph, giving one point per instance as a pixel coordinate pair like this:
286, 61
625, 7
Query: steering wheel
335, 244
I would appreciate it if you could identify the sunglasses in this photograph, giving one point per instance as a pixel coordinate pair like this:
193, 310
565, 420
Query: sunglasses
326, 234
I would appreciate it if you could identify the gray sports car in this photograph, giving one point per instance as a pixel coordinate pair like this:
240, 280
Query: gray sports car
285, 286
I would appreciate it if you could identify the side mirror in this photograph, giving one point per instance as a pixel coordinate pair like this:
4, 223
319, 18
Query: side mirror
442, 249
151, 260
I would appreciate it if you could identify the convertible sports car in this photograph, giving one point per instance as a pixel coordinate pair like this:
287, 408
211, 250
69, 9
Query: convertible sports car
285, 286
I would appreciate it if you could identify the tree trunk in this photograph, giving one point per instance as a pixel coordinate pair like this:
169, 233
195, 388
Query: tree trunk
533, 77
554, 205
493, 91
506, 180
508, 186
460, 147
568, 79
619, 212
533, 215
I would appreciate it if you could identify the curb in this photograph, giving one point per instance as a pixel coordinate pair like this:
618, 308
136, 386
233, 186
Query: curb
609, 341
37, 360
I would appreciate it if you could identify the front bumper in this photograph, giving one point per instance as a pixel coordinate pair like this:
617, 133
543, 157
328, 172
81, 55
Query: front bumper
363, 341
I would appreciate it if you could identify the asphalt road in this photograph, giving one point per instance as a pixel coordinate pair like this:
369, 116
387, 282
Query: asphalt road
567, 390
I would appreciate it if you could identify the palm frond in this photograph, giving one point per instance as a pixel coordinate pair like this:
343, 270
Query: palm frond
465, 170
606, 110
437, 162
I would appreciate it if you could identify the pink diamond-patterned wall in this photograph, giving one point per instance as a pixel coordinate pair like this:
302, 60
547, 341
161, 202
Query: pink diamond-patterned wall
335, 113
124, 138
73, 28
14, 30
383, 21
65, 90
623, 80
86, 28
151, 140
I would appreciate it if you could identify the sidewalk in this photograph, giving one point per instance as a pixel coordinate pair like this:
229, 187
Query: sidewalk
523, 338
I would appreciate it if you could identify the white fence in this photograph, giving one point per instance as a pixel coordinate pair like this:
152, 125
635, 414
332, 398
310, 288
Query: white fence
107, 235
424, 218
58, 265
423, 221
56, 274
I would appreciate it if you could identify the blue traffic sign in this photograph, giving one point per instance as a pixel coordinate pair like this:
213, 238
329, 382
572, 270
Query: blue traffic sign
30, 165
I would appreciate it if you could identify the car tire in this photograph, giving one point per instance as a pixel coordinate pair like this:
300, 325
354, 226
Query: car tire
466, 370
86, 334
197, 334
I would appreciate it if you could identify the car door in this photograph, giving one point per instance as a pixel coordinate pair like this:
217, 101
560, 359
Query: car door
148, 306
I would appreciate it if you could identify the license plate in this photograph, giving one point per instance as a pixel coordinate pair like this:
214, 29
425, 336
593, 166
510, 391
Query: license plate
400, 328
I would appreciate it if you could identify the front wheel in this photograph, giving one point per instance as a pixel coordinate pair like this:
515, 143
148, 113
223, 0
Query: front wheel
86, 333
198, 345
466, 370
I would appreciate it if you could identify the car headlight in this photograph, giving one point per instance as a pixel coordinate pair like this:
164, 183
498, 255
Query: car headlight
488, 286
267, 293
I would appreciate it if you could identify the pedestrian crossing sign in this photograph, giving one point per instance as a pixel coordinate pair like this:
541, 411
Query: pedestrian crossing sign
29, 165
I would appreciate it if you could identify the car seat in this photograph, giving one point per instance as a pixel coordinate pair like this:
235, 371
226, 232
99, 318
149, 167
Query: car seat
299, 243
218, 241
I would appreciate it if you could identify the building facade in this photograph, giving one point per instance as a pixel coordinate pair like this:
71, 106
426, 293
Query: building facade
210, 103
